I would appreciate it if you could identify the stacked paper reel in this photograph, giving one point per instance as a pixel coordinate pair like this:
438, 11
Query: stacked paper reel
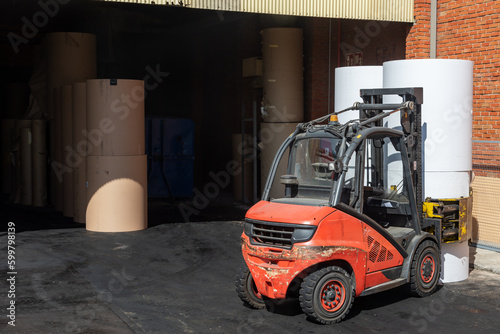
66, 148
116, 162
447, 136
283, 97
70, 57
446, 112
348, 81
79, 150
24, 161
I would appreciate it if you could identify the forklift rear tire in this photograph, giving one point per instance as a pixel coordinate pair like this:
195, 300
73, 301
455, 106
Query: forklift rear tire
246, 289
326, 295
425, 269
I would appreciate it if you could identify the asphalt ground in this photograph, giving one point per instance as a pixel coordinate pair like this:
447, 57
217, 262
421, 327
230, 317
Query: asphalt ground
178, 277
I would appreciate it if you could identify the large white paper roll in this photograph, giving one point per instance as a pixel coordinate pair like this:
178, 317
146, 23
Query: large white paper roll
446, 135
116, 193
282, 62
115, 117
348, 81
39, 162
446, 111
446, 184
455, 262
272, 135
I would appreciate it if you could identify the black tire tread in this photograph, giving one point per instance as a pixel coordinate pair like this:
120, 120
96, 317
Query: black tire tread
307, 289
414, 288
241, 290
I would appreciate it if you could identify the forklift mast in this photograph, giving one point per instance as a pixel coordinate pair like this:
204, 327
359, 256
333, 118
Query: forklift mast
411, 126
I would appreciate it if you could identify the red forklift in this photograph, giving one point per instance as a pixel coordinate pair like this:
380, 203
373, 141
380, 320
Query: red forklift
349, 220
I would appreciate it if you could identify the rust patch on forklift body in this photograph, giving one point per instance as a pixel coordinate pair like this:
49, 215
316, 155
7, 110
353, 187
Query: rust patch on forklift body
297, 252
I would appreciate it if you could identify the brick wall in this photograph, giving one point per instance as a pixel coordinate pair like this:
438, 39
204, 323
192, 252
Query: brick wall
419, 34
471, 30
468, 29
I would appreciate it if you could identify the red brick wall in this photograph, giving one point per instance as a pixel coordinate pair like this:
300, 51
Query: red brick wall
471, 30
419, 34
468, 29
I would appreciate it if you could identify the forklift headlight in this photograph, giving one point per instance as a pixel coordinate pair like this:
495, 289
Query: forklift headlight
303, 234
248, 229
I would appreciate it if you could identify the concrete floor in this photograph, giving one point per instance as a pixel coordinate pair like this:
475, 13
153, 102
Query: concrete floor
179, 278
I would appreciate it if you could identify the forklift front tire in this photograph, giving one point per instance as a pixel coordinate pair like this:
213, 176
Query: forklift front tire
425, 269
326, 295
246, 289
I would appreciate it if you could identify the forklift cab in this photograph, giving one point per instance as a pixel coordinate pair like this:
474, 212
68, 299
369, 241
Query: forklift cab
364, 175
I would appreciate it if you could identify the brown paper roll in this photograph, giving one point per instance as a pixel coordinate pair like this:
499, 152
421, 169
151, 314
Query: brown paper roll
19, 124
282, 49
79, 113
52, 176
272, 136
26, 180
39, 162
283, 97
246, 180
7, 166
79, 192
116, 193
71, 57
79, 146
282, 75
66, 117
57, 120
115, 117
67, 185
57, 153
66, 145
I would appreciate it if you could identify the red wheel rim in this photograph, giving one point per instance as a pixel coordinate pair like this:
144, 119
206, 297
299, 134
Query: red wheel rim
427, 269
332, 295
